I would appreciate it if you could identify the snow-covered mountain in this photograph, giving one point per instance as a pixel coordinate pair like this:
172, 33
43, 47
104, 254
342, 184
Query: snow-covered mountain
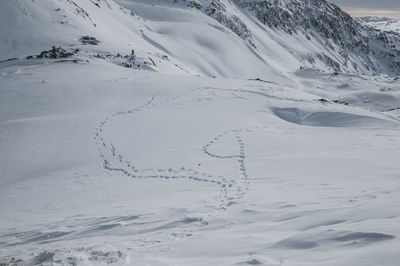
385, 24
201, 132
349, 46
271, 36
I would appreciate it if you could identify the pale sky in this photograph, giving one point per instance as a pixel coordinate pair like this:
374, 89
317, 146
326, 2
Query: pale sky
379, 8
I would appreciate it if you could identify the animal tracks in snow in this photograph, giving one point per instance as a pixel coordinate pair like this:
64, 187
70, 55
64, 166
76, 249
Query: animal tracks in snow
230, 189
170, 138
240, 185
227, 148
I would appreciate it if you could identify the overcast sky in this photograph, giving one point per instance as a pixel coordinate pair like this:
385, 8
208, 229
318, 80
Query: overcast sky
380, 8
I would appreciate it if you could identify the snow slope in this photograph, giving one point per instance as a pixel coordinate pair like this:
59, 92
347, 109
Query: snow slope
119, 32
232, 39
205, 146
130, 167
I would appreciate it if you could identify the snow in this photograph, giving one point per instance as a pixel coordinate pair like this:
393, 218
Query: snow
160, 163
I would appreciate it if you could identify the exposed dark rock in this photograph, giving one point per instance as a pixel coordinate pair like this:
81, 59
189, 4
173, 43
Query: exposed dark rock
322, 100
341, 102
57, 52
217, 10
85, 40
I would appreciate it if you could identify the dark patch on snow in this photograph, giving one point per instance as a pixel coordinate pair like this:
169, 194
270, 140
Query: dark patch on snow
251, 262
322, 100
362, 238
261, 80
55, 53
88, 40
325, 101
341, 102
392, 109
8, 60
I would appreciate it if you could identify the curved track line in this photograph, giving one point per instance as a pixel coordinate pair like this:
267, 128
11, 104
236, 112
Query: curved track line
229, 190
109, 153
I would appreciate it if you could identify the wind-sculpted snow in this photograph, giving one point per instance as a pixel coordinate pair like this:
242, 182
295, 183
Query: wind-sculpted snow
328, 119
201, 132
124, 166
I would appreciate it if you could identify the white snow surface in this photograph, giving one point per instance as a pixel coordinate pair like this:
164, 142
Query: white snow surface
199, 149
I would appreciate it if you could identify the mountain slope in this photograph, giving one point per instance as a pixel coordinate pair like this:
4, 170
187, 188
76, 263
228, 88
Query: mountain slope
108, 165
176, 133
199, 43
242, 39
323, 33
385, 24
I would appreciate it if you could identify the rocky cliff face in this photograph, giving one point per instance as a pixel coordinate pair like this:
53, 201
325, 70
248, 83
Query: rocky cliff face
218, 10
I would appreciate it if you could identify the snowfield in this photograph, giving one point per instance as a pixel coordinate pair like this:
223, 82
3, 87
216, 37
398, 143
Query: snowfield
195, 148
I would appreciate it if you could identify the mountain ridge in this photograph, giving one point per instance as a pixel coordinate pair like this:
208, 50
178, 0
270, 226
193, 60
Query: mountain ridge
274, 36
325, 22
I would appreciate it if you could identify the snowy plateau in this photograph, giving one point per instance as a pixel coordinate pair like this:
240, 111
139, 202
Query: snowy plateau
198, 133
